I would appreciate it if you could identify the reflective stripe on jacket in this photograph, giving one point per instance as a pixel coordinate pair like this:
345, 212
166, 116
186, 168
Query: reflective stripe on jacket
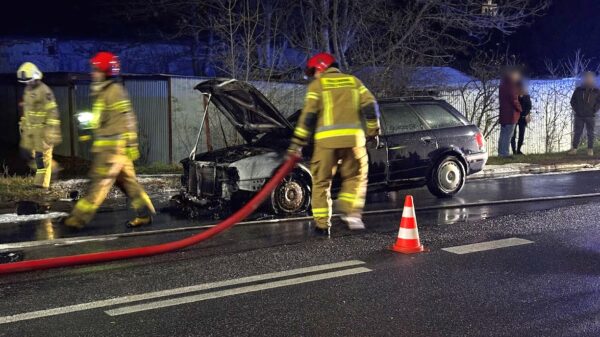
40, 120
114, 122
334, 108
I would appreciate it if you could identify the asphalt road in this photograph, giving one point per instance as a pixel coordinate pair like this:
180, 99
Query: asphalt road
275, 279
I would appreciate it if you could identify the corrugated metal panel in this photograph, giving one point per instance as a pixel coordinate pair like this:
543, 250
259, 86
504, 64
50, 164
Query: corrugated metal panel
61, 93
9, 115
81, 102
150, 99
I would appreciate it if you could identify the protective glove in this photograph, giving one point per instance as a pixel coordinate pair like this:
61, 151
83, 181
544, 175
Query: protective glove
85, 135
132, 153
373, 142
294, 150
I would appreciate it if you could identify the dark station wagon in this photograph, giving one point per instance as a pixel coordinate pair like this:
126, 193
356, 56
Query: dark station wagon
425, 141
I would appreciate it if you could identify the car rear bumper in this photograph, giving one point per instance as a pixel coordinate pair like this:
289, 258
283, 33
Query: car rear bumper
476, 161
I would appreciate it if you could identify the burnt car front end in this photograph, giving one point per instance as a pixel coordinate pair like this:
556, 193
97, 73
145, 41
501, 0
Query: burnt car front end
215, 181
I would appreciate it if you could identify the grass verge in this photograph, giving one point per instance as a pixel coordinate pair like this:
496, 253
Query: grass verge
549, 158
13, 188
18, 187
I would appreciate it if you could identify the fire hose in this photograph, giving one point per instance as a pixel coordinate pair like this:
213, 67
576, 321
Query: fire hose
113, 255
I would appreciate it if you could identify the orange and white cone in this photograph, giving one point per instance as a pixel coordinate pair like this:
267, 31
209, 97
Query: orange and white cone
408, 236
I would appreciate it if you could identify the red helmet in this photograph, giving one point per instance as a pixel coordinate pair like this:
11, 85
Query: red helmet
320, 62
107, 63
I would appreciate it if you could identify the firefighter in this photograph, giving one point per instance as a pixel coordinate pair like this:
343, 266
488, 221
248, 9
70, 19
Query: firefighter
113, 126
39, 125
334, 109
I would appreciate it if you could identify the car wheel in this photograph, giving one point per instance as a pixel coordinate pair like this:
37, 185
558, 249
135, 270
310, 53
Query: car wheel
291, 196
447, 178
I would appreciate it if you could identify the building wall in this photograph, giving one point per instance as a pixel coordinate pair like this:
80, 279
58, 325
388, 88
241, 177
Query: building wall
56, 55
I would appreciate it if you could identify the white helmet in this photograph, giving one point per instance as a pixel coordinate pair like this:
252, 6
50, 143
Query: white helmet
28, 72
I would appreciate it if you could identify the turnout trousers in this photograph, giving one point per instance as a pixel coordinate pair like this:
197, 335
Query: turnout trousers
353, 165
44, 166
108, 169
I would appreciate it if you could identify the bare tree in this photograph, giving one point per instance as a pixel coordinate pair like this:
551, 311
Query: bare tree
247, 38
386, 32
480, 96
577, 64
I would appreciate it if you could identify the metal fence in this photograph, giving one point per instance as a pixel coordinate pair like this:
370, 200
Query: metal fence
551, 127
169, 112
168, 109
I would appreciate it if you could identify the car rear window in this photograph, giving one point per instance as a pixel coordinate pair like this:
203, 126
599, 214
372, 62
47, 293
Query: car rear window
436, 116
399, 118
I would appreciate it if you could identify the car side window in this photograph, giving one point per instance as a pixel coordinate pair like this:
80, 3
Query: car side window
399, 118
436, 116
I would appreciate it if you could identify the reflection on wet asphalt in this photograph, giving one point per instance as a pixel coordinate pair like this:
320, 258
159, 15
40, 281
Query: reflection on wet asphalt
111, 220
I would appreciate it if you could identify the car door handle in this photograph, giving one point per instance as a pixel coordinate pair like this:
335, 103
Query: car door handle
426, 139
399, 147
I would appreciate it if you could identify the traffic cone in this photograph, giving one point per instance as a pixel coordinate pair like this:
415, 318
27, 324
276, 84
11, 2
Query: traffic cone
408, 236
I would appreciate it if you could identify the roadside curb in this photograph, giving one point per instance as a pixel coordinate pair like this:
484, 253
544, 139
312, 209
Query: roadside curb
507, 170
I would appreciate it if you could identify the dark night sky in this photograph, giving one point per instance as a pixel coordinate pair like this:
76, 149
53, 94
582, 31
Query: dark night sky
569, 25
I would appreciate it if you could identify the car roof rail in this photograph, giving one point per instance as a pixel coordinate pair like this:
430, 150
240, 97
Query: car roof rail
412, 98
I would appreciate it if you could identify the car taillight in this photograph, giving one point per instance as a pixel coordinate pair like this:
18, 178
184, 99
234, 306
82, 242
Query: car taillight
479, 140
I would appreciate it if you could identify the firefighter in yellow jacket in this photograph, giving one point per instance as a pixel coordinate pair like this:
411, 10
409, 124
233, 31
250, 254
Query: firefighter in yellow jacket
113, 125
335, 107
40, 123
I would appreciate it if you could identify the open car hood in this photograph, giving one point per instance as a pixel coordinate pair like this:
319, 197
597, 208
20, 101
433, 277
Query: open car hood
248, 110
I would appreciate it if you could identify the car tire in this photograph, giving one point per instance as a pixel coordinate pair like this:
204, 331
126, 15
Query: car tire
291, 196
447, 177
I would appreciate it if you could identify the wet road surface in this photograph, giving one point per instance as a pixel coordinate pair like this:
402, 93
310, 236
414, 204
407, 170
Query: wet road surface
110, 220
276, 279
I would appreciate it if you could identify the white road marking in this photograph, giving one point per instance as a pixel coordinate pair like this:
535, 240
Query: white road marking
10, 218
489, 245
170, 292
234, 291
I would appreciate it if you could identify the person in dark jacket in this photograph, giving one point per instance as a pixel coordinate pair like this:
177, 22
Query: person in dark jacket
510, 109
525, 101
585, 103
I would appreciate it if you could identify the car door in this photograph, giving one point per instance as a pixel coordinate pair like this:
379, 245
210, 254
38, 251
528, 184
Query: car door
408, 140
378, 164
447, 125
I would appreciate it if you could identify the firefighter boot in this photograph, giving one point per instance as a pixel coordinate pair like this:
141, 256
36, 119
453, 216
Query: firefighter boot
74, 223
351, 199
143, 207
353, 221
324, 232
139, 221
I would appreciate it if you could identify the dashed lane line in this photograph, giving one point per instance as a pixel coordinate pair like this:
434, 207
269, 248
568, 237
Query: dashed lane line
489, 245
176, 291
235, 291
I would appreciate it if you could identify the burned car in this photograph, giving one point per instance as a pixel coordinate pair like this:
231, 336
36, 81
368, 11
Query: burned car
425, 141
